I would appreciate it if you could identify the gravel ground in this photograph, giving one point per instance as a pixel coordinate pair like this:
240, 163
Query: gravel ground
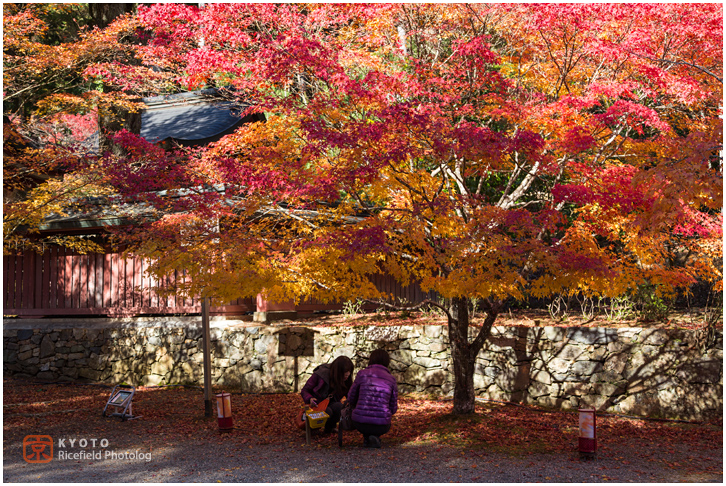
292, 463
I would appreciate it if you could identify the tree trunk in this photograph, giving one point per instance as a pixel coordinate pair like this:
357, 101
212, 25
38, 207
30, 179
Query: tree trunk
460, 355
105, 13
464, 353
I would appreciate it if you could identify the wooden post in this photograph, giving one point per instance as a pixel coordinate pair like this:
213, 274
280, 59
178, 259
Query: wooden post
207, 358
295, 372
308, 430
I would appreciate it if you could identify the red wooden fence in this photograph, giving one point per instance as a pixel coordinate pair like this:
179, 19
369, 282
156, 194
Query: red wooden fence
60, 282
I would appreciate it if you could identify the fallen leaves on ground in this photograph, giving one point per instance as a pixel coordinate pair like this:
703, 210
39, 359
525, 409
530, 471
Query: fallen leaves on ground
175, 415
691, 319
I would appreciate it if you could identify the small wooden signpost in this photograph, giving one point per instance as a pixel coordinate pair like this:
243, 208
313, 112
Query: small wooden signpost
121, 397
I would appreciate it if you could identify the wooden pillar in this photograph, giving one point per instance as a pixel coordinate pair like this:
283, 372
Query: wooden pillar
268, 311
207, 358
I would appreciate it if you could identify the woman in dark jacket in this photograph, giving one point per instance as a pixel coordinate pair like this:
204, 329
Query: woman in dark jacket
329, 381
374, 398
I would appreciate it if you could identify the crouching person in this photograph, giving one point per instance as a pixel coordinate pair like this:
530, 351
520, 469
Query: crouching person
374, 398
329, 381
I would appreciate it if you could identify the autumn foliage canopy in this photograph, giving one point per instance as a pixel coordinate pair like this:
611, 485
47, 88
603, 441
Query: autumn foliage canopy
484, 151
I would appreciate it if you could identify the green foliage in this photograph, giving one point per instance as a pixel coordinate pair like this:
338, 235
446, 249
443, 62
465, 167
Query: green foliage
352, 307
653, 306
618, 308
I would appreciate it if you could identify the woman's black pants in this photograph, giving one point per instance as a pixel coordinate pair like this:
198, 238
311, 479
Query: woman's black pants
334, 411
371, 429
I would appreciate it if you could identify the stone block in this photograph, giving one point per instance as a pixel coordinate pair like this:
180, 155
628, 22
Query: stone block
481, 381
22, 334
569, 352
31, 370
403, 355
656, 337
264, 342
427, 362
47, 347
541, 376
591, 335
397, 366
251, 382
536, 389
507, 379
616, 363
433, 378
413, 375
597, 402
557, 365
96, 362
565, 377
47, 375
639, 404
628, 333
152, 380
162, 366
550, 402
492, 371
419, 345
381, 333
600, 353
90, 374
433, 332
438, 347
575, 389
701, 371
93, 335
606, 377
586, 367
617, 347
25, 355
409, 332
552, 333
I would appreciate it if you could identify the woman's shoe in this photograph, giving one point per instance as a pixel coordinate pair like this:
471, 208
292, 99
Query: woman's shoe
374, 442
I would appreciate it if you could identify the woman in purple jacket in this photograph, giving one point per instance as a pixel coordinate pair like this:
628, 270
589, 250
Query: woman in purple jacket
329, 381
374, 398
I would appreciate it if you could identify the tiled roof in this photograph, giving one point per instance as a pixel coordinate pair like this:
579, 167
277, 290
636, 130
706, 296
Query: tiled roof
192, 118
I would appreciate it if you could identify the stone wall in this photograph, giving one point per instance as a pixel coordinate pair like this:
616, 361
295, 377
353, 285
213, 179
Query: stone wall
648, 372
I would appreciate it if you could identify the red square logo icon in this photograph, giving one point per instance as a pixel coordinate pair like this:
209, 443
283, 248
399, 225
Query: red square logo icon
38, 449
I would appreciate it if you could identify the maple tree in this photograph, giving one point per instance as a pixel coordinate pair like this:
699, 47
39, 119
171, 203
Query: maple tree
53, 103
487, 152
